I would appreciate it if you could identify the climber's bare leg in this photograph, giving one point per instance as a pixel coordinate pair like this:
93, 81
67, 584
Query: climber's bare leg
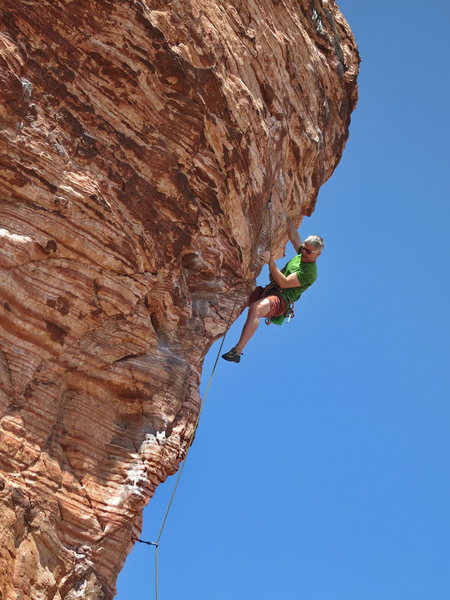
256, 311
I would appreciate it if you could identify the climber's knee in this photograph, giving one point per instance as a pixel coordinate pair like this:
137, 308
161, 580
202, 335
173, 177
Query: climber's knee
260, 308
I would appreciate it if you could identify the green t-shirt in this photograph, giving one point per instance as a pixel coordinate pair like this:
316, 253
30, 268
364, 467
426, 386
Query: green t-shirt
306, 273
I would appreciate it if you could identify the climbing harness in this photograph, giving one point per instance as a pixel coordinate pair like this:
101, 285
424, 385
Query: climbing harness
274, 289
156, 543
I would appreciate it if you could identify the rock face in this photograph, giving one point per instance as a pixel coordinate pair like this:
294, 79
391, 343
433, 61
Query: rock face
140, 141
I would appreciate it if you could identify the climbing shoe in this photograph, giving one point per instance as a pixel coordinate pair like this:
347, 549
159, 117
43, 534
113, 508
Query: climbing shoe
232, 355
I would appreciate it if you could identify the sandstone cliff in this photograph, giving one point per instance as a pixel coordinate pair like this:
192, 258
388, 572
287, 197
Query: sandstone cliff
139, 143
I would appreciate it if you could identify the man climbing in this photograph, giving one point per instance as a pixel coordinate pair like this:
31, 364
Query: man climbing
275, 301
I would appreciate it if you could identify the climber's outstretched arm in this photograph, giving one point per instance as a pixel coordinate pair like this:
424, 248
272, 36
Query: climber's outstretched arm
293, 233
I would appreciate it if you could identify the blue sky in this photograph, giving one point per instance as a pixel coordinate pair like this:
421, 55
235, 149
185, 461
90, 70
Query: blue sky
320, 467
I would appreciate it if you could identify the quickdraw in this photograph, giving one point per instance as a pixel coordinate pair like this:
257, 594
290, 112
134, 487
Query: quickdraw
289, 314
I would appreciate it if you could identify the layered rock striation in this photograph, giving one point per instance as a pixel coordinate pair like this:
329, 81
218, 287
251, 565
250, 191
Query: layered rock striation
140, 141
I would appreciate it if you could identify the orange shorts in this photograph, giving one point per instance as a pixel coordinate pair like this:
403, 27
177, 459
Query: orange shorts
277, 305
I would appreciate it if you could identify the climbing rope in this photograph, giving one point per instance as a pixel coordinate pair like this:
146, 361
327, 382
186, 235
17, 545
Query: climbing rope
202, 404
269, 209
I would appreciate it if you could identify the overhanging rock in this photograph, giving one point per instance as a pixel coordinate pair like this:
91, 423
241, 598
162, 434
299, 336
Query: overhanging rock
139, 144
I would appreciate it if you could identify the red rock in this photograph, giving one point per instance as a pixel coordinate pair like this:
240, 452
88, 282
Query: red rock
139, 144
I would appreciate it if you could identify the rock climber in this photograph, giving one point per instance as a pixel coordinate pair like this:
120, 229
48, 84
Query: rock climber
275, 301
